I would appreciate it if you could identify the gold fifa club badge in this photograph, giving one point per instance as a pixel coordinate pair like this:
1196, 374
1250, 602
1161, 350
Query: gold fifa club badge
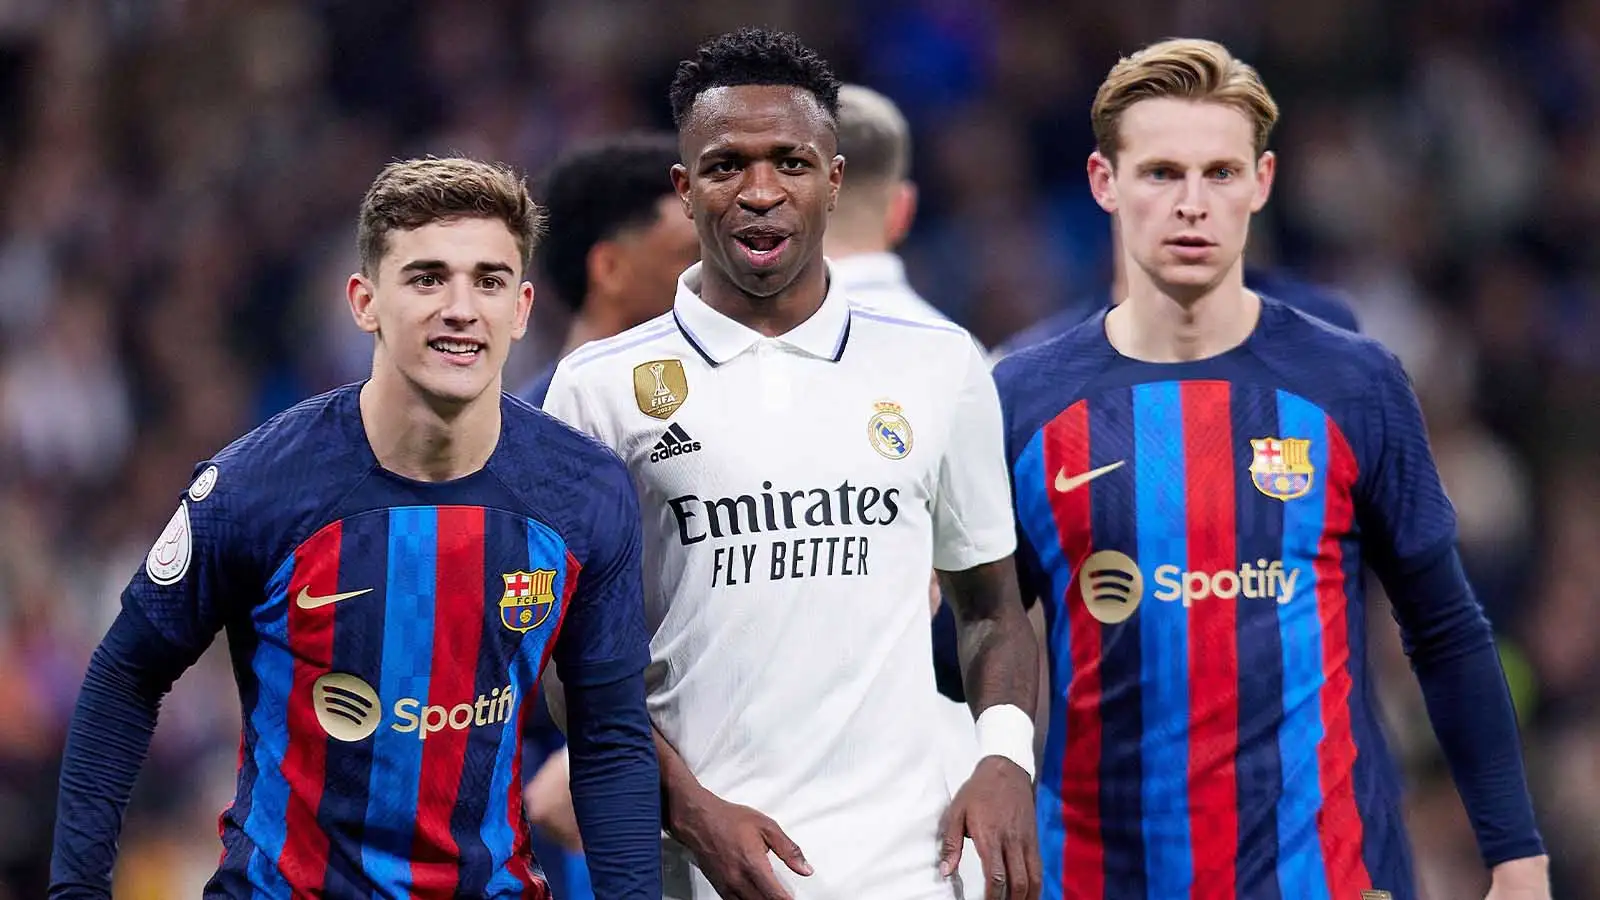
528, 599
660, 387
1282, 469
888, 431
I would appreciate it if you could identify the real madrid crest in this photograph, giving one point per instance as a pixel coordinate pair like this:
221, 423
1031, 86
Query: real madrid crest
660, 387
888, 431
528, 599
1281, 467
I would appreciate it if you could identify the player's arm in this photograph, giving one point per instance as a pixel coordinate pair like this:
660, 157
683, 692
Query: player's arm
171, 612
602, 653
1409, 532
974, 538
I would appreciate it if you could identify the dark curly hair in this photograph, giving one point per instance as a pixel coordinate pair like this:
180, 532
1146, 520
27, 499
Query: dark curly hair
753, 56
595, 192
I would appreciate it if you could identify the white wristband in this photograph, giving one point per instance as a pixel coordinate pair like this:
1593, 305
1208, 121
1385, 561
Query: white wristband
1005, 730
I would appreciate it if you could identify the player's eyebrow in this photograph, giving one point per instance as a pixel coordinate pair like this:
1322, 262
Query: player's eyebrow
486, 267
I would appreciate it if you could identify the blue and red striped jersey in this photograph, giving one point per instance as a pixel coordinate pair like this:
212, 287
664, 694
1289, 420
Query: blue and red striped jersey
1196, 532
387, 636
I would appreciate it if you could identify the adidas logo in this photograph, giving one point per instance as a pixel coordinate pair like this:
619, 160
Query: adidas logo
674, 442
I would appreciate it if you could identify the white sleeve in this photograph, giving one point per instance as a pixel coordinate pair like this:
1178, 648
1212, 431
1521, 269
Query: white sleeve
972, 518
565, 401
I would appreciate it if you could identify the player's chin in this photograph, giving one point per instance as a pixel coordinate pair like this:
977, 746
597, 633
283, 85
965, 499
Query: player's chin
457, 385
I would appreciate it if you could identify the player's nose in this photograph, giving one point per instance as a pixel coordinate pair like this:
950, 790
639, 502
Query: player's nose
459, 304
761, 189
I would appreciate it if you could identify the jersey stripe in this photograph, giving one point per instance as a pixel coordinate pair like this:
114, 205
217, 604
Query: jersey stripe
1038, 526
1259, 519
1301, 870
1161, 486
458, 599
1213, 636
273, 666
1066, 448
305, 851
407, 643
1340, 824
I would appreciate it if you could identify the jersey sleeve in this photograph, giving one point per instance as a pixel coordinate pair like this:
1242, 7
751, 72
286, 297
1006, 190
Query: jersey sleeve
1406, 519
192, 575
604, 637
972, 521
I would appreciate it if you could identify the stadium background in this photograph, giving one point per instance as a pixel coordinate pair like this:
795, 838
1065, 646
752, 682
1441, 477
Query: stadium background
180, 179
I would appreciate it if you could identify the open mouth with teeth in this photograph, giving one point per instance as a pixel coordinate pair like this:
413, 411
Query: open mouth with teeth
762, 249
457, 349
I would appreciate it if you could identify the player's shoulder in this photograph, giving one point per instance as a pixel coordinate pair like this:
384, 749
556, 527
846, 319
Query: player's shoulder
543, 451
622, 350
310, 440
1316, 358
1058, 366
925, 338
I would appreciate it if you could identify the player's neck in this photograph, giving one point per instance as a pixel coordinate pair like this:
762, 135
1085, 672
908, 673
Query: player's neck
1151, 325
424, 441
773, 315
594, 322
855, 239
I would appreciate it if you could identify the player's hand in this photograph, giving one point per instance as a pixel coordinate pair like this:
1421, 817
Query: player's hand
548, 802
995, 809
1521, 879
730, 844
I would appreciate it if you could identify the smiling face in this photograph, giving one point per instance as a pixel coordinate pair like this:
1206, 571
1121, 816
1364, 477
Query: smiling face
446, 301
1184, 185
760, 175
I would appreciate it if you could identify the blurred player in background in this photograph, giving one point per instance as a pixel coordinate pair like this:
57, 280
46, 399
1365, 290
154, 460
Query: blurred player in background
394, 563
618, 239
1200, 474
824, 458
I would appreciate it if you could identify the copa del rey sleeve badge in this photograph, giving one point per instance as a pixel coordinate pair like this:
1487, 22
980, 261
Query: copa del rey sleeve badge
660, 387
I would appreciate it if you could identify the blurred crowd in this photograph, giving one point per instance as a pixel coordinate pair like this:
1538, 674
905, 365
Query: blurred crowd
181, 179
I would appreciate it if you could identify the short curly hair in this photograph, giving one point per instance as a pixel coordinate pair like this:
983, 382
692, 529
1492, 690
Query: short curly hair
753, 56
595, 192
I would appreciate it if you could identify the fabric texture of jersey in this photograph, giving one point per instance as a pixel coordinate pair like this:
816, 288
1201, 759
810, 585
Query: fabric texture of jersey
387, 635
811, 483
1197, 532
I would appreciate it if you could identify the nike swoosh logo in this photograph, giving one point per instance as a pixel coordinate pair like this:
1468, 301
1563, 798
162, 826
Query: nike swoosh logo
306, 601
1065, 484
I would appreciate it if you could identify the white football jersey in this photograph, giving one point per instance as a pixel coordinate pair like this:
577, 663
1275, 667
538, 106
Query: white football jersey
795, 493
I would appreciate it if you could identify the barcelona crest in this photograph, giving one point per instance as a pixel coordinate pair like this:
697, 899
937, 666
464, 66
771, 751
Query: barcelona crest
1282, 467
528, 599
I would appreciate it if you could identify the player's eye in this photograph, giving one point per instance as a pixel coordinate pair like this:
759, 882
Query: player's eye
1160, 173
793, 164
491, 283
1223, 173
427, 280
722, 167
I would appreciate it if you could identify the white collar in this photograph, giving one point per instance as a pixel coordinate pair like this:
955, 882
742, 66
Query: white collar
719, 338
859, 271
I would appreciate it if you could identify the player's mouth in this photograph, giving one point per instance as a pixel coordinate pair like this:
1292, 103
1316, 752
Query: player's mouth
458, 351
762, 247
1190, 247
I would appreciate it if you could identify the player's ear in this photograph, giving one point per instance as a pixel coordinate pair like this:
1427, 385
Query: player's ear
902, 213
360, 291
1103, 181
1266, 171
604, 263
680, 183
519, 325
835, 179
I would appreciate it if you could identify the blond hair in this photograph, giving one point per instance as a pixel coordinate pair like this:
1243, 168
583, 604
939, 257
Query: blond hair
1183, 69
873, 136
417, 192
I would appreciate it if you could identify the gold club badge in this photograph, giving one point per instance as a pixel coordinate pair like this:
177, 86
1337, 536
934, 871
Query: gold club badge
888, 431
660, 387
528, 599
1281, 468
